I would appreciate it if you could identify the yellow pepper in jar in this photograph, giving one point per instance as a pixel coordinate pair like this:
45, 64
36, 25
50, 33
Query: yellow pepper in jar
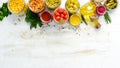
16, 6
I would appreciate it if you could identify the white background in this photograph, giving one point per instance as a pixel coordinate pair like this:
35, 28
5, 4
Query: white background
54, 47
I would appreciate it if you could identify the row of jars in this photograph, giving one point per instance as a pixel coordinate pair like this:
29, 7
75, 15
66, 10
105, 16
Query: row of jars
37, 6
20, 7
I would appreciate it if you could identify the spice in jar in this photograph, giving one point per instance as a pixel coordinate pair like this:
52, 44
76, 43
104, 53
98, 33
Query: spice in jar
46, 17
36, 6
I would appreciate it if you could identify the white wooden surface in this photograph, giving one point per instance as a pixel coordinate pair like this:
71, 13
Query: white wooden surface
54, 47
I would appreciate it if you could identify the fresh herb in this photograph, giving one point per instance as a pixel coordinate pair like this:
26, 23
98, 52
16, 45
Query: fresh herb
107, 17
4, 12
33, 19
84, 19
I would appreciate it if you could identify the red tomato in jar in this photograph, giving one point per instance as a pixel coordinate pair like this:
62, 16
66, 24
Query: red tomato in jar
62, 15
61, 18
57, 18
57, 14
65, 13
65, 17
60, 10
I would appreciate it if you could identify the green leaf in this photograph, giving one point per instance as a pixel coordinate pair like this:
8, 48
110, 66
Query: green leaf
84, 20
4, 12
1, 13
33, 19
40, 24
33, 26
1, 18
107, 18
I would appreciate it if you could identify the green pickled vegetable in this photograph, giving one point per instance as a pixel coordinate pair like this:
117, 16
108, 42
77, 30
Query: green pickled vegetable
52, 4
111, 4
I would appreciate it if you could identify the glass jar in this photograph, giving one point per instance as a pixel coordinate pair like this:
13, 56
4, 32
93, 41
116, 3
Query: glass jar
53, 4
60, 15
88, 11
18, 7
75, 20
72, 6
36, 6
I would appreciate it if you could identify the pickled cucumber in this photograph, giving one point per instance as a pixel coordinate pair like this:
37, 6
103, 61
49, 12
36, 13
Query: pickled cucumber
111, 4
52, 4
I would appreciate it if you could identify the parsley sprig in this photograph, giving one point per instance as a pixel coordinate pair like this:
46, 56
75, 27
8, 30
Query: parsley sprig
107, 18
4, 12
33, 19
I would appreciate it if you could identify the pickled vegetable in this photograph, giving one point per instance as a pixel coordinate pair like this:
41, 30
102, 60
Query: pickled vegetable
52, 4
36, 6
111, 4
72, 6
97, 1
16, 6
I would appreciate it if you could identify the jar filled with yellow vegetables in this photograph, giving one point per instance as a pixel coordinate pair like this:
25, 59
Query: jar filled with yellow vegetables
88, 12
52, 4
72, 6
111, 4
18, 7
